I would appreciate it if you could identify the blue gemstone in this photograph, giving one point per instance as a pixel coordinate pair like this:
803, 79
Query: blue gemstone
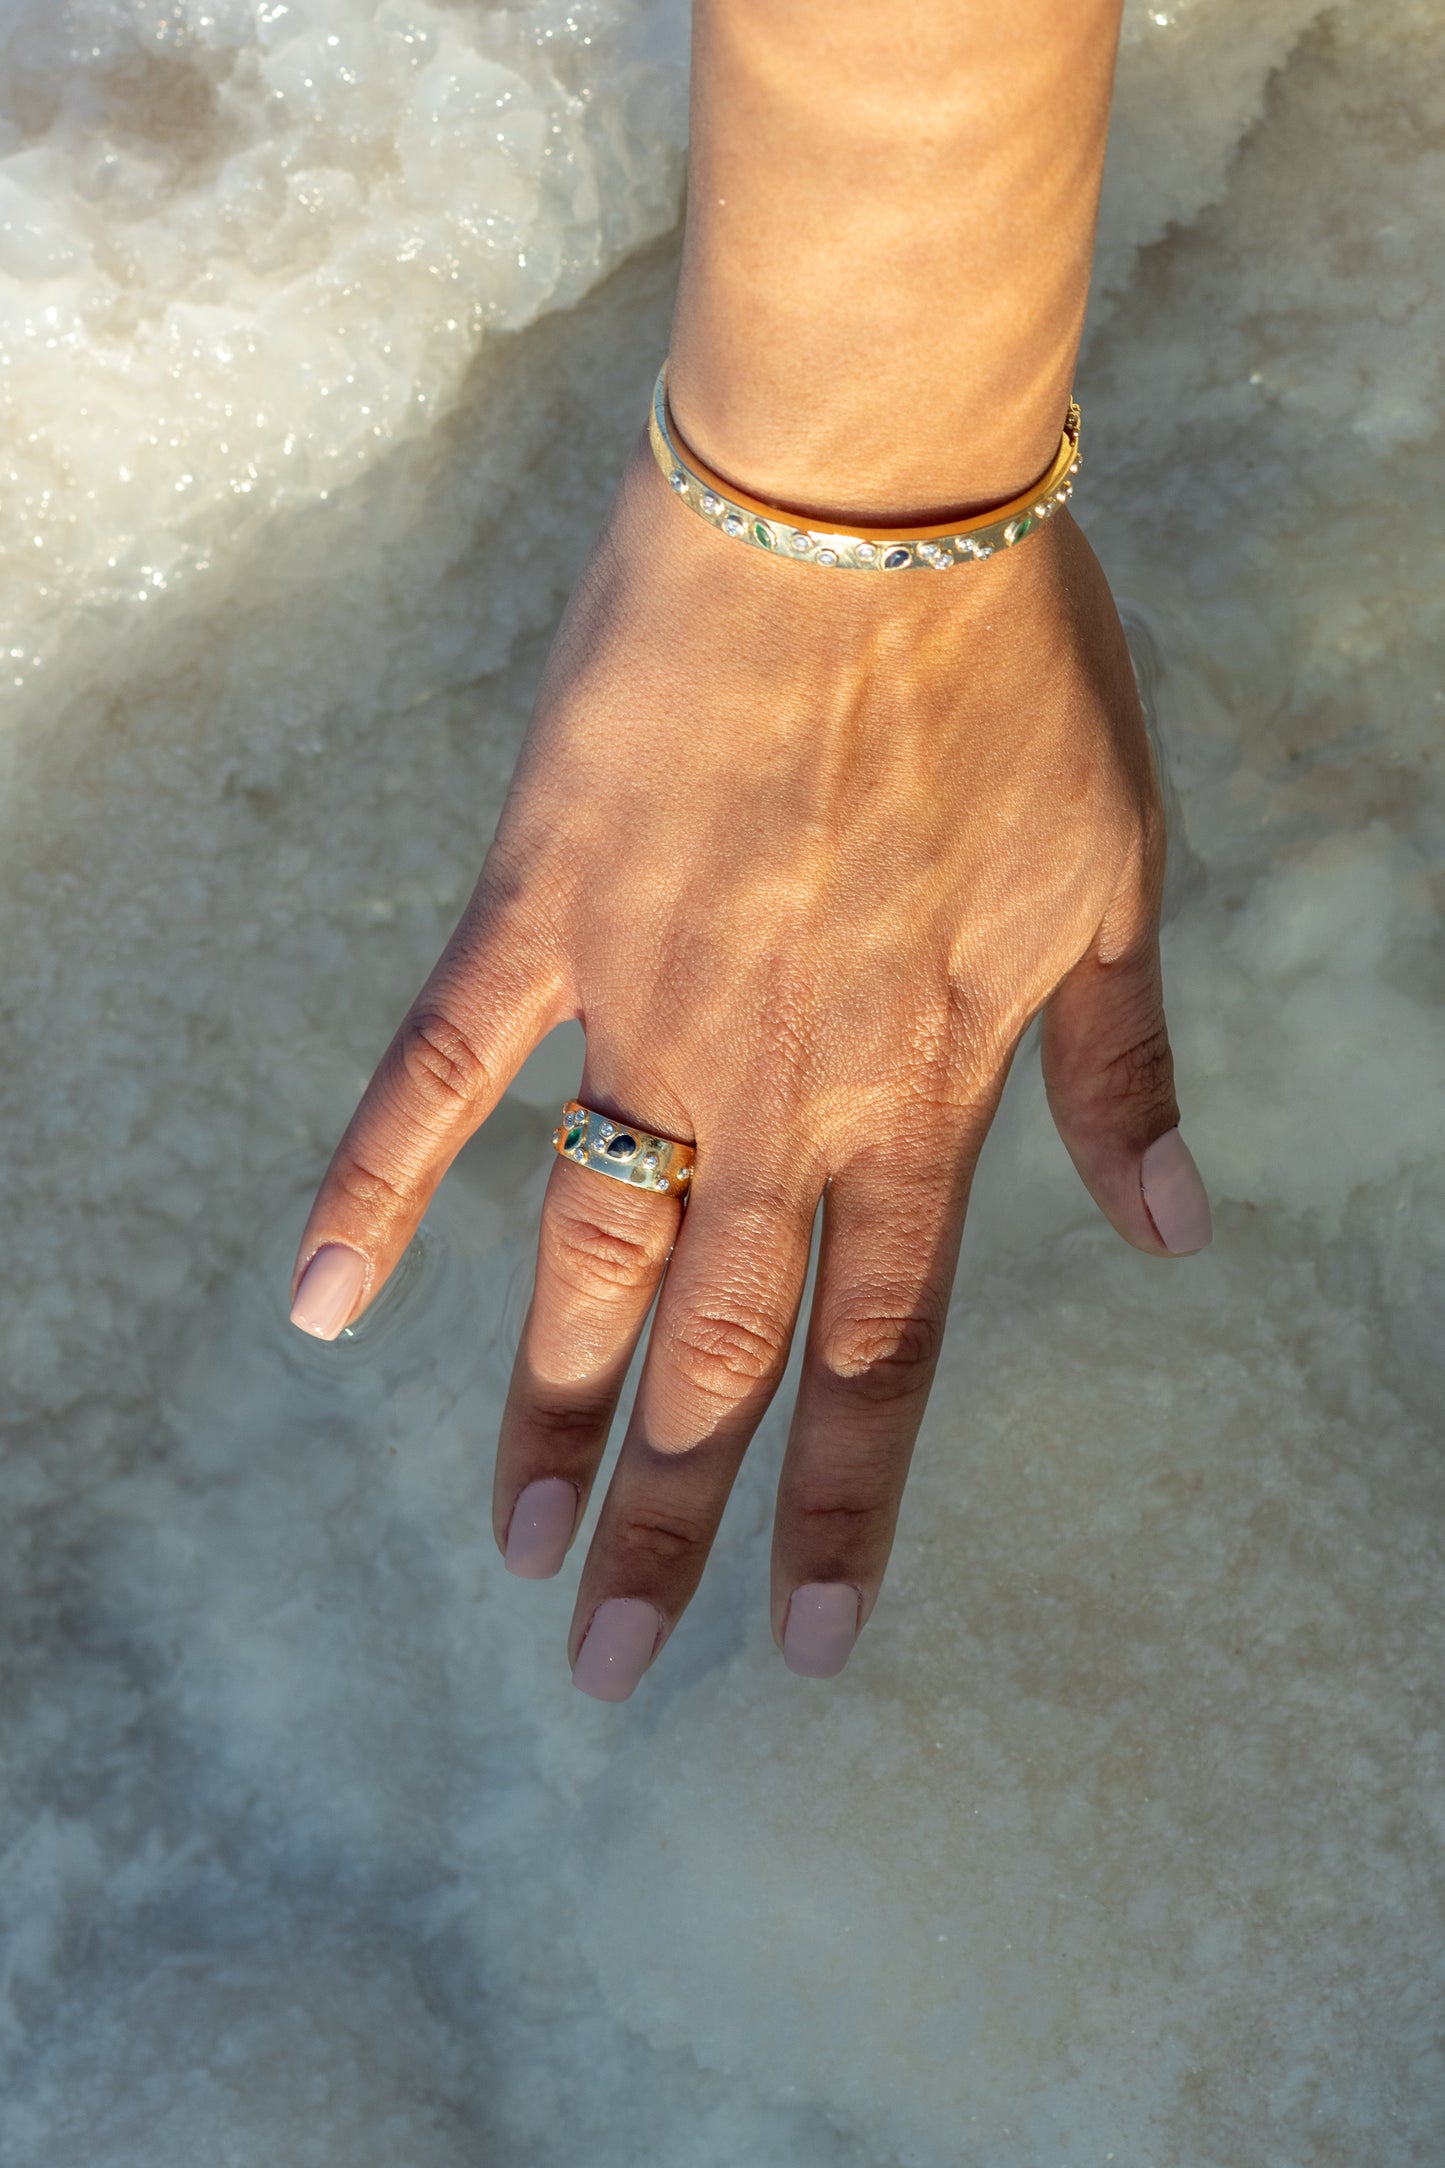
622, 1146
896, 559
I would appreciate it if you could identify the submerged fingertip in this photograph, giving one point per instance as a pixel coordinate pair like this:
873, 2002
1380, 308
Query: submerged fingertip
1175, 1198
328, 1291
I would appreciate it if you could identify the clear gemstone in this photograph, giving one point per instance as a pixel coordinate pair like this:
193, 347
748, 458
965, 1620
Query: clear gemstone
678, 480
928, 549
1061, 496
581, 1152
734, 526
710, 503
942, 560
802, 542
865, 553
662, 1181
827, 557
649, 1159
684, 1174
983, 549
1076, 466
1042, 511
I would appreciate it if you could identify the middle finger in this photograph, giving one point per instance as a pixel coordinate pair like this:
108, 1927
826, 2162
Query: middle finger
717, 1352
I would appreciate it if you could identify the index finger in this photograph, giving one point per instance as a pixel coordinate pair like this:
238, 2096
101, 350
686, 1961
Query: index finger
497, 987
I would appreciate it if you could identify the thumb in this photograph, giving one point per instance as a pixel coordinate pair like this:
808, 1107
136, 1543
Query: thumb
1109, 1075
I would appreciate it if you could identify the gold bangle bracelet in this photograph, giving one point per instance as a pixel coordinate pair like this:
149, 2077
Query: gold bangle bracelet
857, 549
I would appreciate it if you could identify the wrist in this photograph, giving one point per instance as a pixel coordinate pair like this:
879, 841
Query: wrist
887, 251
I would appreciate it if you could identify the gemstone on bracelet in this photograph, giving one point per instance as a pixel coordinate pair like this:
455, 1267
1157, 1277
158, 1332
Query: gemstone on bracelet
763, 534
679, 481
1018, 528
735, 525
896, 559
865, 553
827, 557
802, 542
710, 503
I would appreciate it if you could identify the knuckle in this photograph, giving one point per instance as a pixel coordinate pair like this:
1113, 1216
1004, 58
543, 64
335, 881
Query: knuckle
1144, 1073
883, 1354
366, 1186
723, 1354
593, 1259
657, 1537
840, 1508
438, 1062
565, 1422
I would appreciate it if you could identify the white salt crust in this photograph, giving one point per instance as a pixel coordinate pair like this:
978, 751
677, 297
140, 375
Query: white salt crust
1120, 1838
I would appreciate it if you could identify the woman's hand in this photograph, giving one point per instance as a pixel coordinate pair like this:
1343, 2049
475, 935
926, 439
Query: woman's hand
805, 852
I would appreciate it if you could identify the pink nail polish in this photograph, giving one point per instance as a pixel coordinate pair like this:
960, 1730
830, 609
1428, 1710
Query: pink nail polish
618, 1648
1174, 1195
330, 1288
541, 1528
820, 1629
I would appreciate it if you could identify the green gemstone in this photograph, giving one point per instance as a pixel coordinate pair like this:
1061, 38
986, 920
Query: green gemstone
1020, 527
575, 1136
764, 535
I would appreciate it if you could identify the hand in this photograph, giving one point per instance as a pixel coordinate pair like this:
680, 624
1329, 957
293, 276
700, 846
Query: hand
805, 853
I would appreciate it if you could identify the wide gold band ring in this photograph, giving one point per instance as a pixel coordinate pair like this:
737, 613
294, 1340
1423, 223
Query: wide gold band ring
627, 1153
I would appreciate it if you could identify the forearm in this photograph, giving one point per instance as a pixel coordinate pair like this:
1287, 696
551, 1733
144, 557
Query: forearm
890, 222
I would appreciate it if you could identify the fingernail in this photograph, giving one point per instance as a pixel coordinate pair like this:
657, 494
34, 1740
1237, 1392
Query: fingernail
618, 1648
329, 1289
1174, 1195
820, 1629
541, 1528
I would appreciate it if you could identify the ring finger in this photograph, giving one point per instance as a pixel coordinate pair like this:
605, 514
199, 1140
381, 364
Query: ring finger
601, 1250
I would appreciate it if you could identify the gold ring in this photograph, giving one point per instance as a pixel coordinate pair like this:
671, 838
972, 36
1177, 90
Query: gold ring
624, 1151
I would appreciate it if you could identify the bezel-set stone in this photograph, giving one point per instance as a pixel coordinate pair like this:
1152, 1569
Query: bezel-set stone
710, 503
661, 1182
679, 481
763, 535
865, 553
943, 561
735, 525
895, 559
827, 557
649, 1159
801, 543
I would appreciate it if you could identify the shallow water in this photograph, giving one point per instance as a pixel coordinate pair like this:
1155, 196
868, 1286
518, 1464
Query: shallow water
1121, 1838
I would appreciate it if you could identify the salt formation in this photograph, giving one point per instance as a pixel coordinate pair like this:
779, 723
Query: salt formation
1121, 1837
